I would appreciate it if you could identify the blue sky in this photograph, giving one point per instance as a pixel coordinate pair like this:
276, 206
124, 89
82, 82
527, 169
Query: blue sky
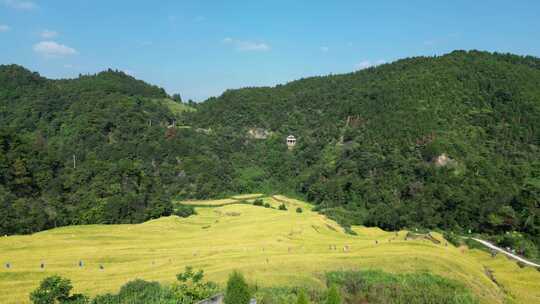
200, 48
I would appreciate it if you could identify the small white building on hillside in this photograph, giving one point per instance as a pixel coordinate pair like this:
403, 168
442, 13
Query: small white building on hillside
291, 142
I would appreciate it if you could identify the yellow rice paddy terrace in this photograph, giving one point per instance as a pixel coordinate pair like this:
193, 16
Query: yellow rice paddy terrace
271, 247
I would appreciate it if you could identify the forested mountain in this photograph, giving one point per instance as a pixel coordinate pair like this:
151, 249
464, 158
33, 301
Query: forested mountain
450, 142
97, 149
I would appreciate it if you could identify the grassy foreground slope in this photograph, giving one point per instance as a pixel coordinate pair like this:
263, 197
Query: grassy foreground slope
271, 247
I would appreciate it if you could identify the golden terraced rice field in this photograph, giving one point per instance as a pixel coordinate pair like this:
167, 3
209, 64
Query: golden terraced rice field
271, 247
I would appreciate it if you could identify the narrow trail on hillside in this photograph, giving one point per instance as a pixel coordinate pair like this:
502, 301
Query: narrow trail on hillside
516, 257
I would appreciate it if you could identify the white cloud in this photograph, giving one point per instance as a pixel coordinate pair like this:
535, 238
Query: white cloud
4, 28
324, 49
53, 49
368, 64
247, 46
129, 72
20, 4
48, 34
252, 46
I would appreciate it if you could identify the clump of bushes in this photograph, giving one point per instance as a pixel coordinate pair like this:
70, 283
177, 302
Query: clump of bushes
519, 242
279, 295
190, 288
237, 290
333, 296
184, 211
302, 298
267, 205
139, 291
347, 287
349, 230
283, 207
472, 244
380, 287
299, 210
258, 202
452, 238
56, 289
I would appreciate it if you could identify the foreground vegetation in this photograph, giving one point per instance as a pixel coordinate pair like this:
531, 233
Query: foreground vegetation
343, 287
273, 248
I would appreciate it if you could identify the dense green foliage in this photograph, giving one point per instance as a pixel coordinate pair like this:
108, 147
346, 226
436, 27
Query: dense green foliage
302, 298
97, 149
277, 295
380, 287
333, 296
451, 142
237, 291
56, 289
189, 289
139, 291
345, 287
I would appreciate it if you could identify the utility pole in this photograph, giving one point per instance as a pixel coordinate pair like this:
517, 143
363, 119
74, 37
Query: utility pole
74, 162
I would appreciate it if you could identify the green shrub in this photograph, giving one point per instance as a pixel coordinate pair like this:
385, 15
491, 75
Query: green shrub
258, 202
237, 291
267, 205
349, 230
283, 207
140, 291
333, 296
452, 238
184, 211
106, 299
276, 295
472, 244
56, 289
191, 287
381, 287
299, 210
302, 298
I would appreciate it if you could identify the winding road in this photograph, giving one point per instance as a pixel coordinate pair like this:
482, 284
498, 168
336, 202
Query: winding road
516, 257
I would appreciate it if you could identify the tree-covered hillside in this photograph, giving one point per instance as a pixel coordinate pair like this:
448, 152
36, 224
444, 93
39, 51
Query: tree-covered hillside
450, 141
97, 149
